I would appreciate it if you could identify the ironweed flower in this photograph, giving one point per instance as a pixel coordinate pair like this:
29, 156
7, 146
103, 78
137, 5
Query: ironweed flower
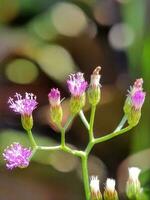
95, 190
77, 86
94, 92
133, 187
55, 106
16, 156
134, 102
110, 192
25, 107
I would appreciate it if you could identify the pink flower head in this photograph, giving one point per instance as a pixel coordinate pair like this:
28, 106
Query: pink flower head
24, 106
76, 84
54, 97
136, 94
16, 156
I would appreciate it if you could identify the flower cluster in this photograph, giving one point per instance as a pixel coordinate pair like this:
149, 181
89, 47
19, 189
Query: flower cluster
16, 156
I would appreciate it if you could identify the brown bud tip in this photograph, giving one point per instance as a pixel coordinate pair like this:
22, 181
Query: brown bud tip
97, 70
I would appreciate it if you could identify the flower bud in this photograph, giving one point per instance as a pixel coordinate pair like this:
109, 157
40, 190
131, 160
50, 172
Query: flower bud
133, 186
110, 192
95, 191
55, 106
77, 86
94, 92
134, 102
27, 122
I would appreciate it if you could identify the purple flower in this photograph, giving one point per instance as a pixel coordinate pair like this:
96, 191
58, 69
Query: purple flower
77, 84
24, 106
16, 156
138, 99
54, 97
136, 94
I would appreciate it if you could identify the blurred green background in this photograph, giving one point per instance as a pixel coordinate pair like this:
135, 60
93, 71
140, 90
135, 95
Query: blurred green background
41, 42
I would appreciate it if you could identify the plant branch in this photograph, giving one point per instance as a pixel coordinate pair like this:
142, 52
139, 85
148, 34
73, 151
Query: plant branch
84, 120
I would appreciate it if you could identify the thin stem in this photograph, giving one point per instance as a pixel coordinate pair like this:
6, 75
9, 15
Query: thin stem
85, 176
121, 124
84, 120
32, 140
54, 148
112, 135
62, 137
93, 109
68, 122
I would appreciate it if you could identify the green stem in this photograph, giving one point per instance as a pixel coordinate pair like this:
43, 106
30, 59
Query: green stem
112, 135
84, 120
62, 137
121, 124
93, 109
54, 148
32, 140
68, 122
85, 176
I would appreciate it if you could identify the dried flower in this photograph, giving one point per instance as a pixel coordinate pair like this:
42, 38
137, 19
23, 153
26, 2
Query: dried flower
95, 190
110, 192
25, 107
94, 92
55, 106
133, 187
134, 102
77, 86
16, 156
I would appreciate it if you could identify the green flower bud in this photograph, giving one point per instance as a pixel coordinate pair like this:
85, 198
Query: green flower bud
56, 114
77, 103
27, 122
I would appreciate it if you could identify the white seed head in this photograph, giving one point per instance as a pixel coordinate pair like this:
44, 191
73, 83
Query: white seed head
134, 173
94, 184
110, 185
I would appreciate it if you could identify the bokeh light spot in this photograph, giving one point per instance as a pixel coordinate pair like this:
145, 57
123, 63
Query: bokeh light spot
21, 71
56, 62
68, 19
121, 36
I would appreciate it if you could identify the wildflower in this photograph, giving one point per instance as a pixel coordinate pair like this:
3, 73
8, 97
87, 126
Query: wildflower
55, 106
110, 192
133, 186
16, 156
134, 102
95, 191
77, 86
25, 107
94, 92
